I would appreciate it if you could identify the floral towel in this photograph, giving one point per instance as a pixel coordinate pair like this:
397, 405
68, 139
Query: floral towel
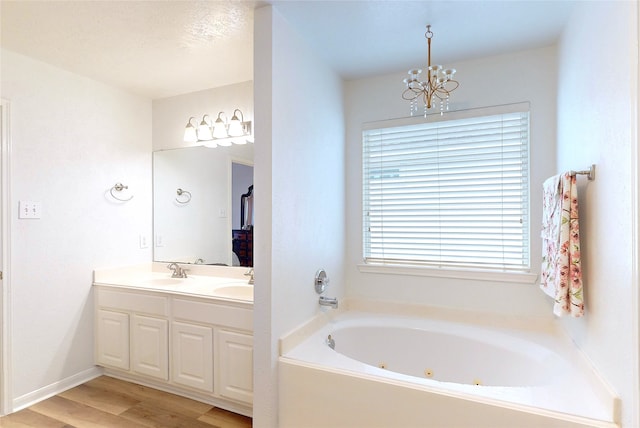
561, 276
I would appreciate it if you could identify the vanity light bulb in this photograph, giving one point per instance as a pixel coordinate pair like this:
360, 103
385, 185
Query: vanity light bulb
190, 135
219, 130
235, 127
204, 132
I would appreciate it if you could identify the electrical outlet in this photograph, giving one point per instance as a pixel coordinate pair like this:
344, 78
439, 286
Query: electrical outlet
29, 209
222, 213
159, 240
143, 242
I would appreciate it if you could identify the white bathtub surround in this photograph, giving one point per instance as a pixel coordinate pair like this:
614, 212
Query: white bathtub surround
529, 373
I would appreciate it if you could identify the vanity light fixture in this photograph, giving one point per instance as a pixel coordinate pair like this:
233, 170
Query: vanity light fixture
219, 133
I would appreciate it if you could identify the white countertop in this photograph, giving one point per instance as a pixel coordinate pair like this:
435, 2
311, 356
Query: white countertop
214, 282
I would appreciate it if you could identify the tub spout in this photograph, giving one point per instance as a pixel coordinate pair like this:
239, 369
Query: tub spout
328, 301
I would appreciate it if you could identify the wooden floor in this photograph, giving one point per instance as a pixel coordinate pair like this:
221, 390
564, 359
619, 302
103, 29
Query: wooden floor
109, 402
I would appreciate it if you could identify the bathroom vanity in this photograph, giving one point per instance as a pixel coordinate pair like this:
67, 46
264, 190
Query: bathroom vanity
190, 336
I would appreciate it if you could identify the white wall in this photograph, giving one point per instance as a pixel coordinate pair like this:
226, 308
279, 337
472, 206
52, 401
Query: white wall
523, 76
299, 188
597, 124
72, 139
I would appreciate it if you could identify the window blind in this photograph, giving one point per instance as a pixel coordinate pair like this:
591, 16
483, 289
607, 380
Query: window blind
450, 193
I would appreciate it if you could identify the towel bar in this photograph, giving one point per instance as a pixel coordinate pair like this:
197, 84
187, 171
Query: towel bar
590, 173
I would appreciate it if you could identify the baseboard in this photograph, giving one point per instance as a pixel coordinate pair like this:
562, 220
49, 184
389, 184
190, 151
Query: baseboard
45, 392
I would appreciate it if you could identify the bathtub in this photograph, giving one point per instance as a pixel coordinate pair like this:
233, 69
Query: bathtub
369, 369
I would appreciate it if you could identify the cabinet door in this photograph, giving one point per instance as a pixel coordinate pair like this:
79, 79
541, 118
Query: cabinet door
150, 347
112, 339
192, 356
235, 353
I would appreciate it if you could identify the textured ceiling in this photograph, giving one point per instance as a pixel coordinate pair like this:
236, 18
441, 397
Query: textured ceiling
153, 48
164, 48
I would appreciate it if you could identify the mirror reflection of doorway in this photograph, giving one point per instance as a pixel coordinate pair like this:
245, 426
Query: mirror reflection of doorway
242, 213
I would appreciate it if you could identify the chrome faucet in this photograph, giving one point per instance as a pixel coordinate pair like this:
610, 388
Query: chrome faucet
328, 301
320, 284
178, 272
249, 273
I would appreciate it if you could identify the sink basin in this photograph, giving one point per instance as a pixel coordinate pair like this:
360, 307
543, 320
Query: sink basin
162, 281
241, 292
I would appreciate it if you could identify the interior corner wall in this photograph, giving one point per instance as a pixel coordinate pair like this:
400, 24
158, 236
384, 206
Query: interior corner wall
597, 124
526, 76
72, 139
300, 195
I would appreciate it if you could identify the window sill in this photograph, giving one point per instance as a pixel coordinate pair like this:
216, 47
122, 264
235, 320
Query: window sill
476, 275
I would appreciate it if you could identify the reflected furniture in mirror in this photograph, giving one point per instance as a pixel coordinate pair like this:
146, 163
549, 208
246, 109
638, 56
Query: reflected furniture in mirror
243, 237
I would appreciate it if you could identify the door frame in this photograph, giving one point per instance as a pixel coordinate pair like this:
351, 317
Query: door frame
5, 228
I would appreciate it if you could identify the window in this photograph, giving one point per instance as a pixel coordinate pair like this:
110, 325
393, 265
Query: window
448, 192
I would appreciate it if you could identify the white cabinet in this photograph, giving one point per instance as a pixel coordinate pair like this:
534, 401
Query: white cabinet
198, 347
235, 363
192, 352
150, 346
112, 346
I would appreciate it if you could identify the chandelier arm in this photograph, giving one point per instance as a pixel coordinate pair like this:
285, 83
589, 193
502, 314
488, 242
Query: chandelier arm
410, 94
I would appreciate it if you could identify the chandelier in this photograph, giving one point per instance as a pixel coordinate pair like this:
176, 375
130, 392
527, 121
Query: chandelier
436, 88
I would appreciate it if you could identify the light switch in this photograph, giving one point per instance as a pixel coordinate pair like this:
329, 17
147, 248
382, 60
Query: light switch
29, 209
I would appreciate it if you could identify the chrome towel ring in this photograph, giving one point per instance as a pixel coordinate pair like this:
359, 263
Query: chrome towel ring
184, 196
119, 187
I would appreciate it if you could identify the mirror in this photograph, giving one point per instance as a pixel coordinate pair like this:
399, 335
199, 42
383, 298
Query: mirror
198, 205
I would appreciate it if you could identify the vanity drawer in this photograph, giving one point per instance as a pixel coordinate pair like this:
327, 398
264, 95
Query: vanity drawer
133, 301
214, 314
